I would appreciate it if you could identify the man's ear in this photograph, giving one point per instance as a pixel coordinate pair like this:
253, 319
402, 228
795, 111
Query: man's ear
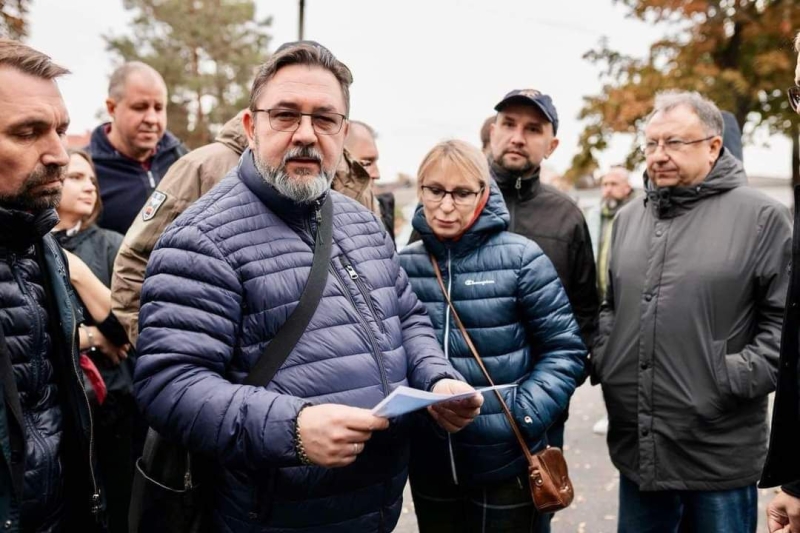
552, 147
111, 107
715, 147
249, 124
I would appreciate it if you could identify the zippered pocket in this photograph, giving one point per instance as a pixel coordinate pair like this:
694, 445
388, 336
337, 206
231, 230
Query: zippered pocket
363, 289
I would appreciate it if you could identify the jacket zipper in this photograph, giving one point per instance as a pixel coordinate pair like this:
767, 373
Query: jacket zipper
512, 206
362, 287
375, 350
151, 179
96, 503
447, 356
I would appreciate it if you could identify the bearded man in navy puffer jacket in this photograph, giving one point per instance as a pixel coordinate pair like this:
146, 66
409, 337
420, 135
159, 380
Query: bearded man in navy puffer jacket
49, 481
302, 453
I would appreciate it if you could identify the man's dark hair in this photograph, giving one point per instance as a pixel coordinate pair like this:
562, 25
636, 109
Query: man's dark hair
25, 59
306, 53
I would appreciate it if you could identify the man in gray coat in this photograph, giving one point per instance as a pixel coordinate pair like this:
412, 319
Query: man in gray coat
689, 329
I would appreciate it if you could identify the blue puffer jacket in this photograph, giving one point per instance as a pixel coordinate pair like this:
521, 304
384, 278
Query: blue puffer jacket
38, 321
508, 295
221, 282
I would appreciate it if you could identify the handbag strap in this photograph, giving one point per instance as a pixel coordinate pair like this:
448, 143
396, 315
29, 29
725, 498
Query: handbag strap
468, 340
286, 339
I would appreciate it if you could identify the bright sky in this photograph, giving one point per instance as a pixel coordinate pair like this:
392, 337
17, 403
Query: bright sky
425, 70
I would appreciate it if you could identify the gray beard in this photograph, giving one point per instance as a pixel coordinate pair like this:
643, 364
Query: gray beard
303, 192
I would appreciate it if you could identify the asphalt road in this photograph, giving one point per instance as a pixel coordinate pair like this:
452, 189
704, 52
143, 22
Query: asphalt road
596, 481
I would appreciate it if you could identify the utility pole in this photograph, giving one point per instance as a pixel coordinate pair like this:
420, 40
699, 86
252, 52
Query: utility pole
301, 22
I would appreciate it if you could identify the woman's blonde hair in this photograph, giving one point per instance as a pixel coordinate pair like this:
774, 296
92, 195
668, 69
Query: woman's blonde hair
98, 204
468, 161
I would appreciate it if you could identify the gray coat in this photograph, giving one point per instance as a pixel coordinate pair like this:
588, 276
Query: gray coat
689, 332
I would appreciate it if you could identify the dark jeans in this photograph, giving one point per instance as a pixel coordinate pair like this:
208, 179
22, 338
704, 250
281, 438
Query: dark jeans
686, 511
498, 507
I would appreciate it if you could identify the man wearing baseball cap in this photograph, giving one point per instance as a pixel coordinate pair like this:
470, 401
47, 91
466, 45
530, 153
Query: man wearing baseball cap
522, 136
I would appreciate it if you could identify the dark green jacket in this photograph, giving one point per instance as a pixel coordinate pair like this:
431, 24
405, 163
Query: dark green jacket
689, 332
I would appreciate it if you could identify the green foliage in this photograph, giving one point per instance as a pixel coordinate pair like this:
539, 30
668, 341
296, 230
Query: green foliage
738, 53
206, 50
13, 22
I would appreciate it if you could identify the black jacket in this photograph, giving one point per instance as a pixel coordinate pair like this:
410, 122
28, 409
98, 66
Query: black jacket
97, 247
39, 321
551, 219
386, 203
783, 460
125, 185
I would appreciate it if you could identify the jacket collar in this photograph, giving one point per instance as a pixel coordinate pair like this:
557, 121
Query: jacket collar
101, 148
232, 134
669, 202
21, 229
493, 219
514, 184
69, 240
291, 212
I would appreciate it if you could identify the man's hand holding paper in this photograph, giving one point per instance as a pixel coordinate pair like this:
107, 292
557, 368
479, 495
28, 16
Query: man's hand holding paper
455, 415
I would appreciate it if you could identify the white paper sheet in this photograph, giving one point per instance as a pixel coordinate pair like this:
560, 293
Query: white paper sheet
404, 400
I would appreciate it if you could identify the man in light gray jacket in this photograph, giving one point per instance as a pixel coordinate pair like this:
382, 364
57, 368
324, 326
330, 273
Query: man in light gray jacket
689, 329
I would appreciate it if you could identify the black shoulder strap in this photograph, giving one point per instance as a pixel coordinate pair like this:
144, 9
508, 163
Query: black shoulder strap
14, 408
284, 342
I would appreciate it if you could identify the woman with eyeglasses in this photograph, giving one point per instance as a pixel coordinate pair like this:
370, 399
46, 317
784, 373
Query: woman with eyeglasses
91, 251
511, 302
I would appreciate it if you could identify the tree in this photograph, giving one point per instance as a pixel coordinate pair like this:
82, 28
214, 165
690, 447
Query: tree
206, 50
13, 23
738, 53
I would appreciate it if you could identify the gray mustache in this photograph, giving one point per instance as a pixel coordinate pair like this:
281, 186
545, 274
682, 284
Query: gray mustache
305, 152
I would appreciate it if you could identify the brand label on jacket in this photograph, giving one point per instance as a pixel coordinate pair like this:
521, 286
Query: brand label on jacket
471, 282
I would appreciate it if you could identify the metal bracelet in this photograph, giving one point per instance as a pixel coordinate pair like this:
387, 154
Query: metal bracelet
298, 441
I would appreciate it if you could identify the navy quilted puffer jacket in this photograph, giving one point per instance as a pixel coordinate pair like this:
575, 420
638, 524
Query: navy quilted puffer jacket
220, 283
39, 322
514, 307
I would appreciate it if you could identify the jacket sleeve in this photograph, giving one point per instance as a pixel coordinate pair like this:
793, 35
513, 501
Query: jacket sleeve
753, 372
182, 185
584, 299
553, 333
113, 243
792, 489
426, 361
190, 319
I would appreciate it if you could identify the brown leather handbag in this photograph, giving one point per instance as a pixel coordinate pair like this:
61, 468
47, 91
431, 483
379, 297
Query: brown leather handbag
551, 488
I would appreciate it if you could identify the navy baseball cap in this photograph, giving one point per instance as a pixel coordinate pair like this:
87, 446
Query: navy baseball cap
532, 97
